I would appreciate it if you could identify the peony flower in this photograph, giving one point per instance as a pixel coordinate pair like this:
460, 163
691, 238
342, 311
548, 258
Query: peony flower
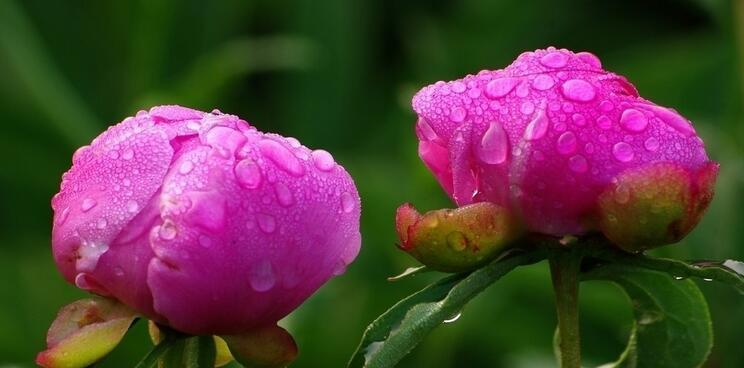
568, 148
201, 222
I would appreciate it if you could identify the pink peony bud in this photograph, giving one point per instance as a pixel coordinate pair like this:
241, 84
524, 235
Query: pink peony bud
548, 134
203, 223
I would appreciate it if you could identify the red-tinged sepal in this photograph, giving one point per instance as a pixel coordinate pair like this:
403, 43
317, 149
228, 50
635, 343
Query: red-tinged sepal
266, 347
456, 240
84, 332
655, 204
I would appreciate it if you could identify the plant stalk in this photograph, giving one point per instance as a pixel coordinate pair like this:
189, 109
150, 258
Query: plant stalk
564, 269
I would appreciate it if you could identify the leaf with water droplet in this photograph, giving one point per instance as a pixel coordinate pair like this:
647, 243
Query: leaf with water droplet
672, 324
396, 332
409, 272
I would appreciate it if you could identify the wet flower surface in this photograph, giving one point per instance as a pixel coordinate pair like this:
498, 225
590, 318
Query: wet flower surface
553, 132
203, 223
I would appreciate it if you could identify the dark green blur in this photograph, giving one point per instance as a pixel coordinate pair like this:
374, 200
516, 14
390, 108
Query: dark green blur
340, 74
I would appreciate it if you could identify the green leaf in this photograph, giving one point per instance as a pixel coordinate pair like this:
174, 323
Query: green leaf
84, 332
396, 332
730, 272
672, 326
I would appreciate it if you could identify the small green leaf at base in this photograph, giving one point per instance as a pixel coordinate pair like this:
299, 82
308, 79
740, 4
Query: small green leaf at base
672, 325
84, 332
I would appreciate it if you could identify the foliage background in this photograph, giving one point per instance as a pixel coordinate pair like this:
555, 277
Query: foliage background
339, 74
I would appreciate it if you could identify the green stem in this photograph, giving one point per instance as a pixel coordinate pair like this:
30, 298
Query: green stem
564, 269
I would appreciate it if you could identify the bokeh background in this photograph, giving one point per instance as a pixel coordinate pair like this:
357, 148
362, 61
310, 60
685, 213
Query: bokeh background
339, 74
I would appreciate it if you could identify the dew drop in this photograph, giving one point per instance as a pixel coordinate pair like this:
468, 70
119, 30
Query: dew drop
623, 152
283, 195
266, 223
543, 82
453, 318
168, 231
672, 119
261, 276
578, 119
186, 167
527, 108
458, 114
537, 128
606, 106
494, 145
88, 254
62, 216
458, 87
132, 206
578, 164
347, 202
248, 174
323, 160
578, 90
500, 87
604, 122
633, 120
101, 223
651, 144
590, 59
281, 156
566, 143
128, 154
87, 204
118, 271
554, 59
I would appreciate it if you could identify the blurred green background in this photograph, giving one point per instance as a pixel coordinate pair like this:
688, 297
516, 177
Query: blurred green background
339, 75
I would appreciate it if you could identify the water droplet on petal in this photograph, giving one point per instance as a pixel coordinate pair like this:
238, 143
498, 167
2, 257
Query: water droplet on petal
186, 167
87, 204
578, 164
128, 154
578, 119
458, 87
578, 90
281, 156
168, 231
651, 144
543, 82
63, 216
248, 174
101, 223
554, 59
633, 120
458, 114
500, 87
494, 145
537, 128
566, 143
527, 108
604, 122
118, 271
347, 202
623, 152
205, 241
266, 223
132, 206
283, 195
261, 276
424, 131
606, 106
88, 254
672, 119
590, 59
323, 160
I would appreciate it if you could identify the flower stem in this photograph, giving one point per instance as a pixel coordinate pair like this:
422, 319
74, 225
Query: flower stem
564, 269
